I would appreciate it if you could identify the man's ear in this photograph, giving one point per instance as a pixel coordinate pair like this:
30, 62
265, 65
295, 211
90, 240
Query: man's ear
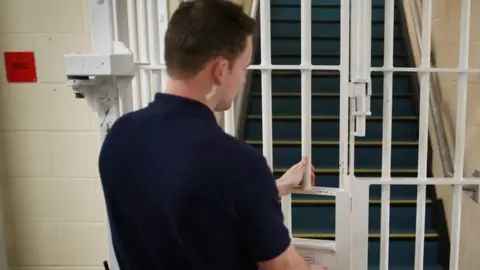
220, 68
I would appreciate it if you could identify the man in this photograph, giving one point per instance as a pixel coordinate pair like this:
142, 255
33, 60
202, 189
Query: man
181, 193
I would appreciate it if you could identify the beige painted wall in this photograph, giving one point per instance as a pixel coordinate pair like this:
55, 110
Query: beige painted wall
445, 39
54, 207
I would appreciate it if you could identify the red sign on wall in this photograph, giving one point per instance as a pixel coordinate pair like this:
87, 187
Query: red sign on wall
20, 67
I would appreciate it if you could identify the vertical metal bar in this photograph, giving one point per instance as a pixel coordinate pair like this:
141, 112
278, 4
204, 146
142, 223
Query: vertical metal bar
133, 44
143, 52
102, 39
153, 45
115, 20
162, 29
425, 49
387, 133
102, 26
360, 206
344, 93
229, 117
306, 84
343, 230
266, 59
460, 132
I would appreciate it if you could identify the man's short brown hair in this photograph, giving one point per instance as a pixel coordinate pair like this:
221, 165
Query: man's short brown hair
201, 30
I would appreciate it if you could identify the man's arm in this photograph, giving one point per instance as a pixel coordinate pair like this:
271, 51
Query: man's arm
261, 220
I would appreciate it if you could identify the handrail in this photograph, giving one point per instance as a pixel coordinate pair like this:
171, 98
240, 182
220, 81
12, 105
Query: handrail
434, 97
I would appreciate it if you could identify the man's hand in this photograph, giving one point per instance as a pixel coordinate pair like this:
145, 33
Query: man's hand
293, 177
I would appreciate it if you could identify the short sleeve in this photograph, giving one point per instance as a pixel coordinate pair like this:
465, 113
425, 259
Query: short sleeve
259, 210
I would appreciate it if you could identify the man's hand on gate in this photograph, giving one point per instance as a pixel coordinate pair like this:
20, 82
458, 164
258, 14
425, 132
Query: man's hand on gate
293, 177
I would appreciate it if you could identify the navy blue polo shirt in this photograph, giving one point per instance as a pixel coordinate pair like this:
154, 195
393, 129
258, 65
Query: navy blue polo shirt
182, 194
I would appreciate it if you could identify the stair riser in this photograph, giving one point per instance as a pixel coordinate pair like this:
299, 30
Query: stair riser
329, 130
377, 61
328, 156
293, 46
319, 12
323, 29
327, 106
321, 218
326, 83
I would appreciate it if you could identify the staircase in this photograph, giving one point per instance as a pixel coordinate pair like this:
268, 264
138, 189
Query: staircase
314, 217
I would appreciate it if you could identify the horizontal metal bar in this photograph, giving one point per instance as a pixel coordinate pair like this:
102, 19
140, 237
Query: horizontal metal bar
370, 235
320, 191
314, 243
415, 181
374, 201
412, 69
148, 66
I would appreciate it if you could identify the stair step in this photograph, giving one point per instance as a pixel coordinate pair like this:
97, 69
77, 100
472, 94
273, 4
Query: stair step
329, 46
328, 105
401, 252
320, 11
325, 82
308, 222
326, 128
328, 29
330, 60
404, 155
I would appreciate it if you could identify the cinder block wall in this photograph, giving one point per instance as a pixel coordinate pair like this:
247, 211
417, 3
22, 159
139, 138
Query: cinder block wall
54, 213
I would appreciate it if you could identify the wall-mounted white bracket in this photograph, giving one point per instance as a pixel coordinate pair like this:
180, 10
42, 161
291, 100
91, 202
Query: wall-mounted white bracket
98, 78
474, 189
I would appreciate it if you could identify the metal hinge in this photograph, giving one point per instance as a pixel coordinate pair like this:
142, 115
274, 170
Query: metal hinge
360, 93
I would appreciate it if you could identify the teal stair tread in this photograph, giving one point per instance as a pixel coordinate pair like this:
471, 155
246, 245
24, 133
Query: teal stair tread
306, 218
327, 128
328, 156
328, 106
282, 45
326, 82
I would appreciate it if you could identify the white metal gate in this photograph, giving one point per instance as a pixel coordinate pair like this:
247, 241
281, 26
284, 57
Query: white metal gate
127, 67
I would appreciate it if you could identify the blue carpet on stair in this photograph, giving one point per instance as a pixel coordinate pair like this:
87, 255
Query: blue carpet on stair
313, 216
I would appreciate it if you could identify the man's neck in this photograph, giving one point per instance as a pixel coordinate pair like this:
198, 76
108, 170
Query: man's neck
190, 89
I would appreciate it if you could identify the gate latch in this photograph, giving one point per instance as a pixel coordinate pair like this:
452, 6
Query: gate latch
360, 93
